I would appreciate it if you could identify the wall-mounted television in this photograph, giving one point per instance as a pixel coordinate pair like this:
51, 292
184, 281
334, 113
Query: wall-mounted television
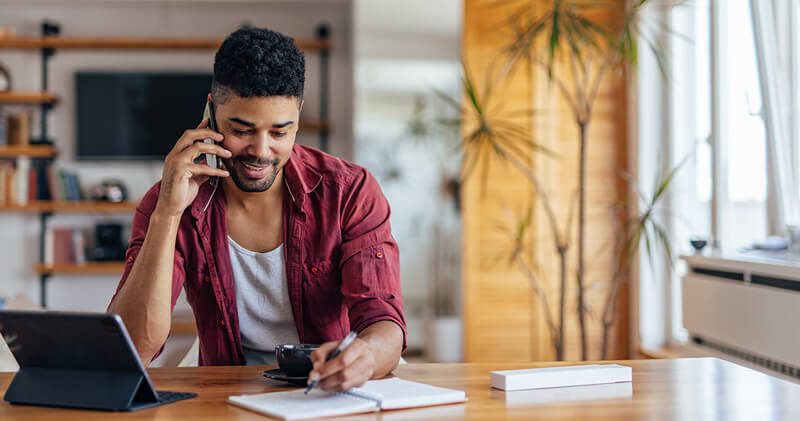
136, 116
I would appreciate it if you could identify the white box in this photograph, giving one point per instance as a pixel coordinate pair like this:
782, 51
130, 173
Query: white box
539, 378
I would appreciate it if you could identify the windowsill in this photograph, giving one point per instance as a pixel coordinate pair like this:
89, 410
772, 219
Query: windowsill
692, 350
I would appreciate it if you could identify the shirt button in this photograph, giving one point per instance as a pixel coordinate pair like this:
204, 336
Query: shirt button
314, 269
222, 322
379, 255
130, 259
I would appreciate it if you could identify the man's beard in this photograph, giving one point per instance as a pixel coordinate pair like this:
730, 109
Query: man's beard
246, 184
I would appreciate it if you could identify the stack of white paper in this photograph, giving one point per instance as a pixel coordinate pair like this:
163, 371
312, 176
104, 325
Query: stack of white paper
538, 378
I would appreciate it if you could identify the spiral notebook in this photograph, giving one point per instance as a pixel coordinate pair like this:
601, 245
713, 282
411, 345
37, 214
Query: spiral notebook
375, 395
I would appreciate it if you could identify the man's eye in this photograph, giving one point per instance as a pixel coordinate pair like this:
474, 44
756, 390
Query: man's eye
279, 134
236, 131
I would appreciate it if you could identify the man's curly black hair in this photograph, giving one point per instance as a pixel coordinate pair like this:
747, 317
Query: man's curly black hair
258, 62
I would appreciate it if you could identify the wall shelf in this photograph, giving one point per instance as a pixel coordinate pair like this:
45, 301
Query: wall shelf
319, 126
92, 43
76, 206
34, 151
75, 268
28, 98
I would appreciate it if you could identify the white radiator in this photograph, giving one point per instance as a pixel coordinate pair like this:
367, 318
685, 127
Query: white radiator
745, 306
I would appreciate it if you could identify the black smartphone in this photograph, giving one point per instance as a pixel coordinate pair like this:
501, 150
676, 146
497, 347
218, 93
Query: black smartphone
211, 159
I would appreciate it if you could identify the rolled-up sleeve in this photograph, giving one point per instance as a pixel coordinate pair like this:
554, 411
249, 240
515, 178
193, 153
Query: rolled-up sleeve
141, 220
370, 262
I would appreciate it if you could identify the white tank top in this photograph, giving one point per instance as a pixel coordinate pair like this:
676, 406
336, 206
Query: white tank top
262, 300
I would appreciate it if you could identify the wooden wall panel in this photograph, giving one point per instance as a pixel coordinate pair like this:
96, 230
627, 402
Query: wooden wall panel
498, 304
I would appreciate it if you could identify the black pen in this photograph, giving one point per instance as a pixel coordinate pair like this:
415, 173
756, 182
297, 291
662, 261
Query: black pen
342, 345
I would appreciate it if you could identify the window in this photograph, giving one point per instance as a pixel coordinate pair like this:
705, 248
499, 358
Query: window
733, 100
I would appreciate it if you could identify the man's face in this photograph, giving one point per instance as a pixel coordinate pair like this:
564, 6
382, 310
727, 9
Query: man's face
260, 133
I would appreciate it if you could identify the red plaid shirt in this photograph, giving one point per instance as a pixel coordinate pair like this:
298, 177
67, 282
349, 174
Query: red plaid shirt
342, 263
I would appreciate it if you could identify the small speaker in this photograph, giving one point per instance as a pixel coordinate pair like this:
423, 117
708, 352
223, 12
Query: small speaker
108, 244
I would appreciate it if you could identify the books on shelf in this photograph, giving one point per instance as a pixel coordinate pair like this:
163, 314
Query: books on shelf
24, 180
64, 245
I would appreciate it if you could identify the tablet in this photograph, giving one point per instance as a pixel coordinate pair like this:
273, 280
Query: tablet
78, 360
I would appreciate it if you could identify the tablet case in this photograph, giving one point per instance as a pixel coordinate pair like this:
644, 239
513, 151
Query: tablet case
55, 372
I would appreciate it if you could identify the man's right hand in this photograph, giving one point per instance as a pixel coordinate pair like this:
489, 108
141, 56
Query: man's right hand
182, 177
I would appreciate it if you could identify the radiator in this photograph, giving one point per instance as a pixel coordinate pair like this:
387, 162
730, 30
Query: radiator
748, 308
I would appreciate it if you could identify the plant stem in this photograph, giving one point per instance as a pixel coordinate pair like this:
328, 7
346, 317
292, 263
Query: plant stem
583, 125
556, 334
562, 256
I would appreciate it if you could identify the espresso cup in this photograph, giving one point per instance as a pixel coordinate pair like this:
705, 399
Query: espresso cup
295, 359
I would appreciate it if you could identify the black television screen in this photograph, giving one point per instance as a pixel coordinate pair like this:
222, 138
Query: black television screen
136, 116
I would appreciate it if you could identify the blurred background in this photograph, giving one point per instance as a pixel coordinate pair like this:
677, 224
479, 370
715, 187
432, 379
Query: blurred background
620, 181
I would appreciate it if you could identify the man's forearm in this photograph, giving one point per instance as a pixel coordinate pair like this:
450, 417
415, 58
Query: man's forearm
386, 340
145, 300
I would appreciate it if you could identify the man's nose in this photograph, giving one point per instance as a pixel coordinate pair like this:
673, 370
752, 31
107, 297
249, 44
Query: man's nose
261, 147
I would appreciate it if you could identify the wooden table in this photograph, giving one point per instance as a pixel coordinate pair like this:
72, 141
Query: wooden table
678, 389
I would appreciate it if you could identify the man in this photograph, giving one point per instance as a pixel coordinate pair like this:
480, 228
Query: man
284, 244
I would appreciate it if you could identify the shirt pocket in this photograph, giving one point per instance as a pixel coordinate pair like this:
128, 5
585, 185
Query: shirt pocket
321, 274
322, 290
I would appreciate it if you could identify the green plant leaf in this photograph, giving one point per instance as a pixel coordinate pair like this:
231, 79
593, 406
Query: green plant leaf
665, 243
665, 182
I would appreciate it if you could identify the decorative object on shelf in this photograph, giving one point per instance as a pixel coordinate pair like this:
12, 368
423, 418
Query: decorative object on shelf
108, 242
6, 32
19, 128
698, 243
111, 190
5, 79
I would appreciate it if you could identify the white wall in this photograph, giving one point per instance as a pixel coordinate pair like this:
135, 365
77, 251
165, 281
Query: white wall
406, 49
148, 18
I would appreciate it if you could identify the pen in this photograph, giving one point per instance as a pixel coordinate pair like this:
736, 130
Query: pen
342, 345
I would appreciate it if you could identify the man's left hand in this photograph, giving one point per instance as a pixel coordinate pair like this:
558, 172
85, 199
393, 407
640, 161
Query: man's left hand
351, 368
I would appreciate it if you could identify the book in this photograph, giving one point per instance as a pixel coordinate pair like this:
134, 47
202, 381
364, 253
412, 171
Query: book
63, 245
3, 128
32, 193
22, 174
79, 246
373, 396
538, 378
42, 186
53, 184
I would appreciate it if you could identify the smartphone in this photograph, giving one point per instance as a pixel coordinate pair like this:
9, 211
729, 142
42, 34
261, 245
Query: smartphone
211, 159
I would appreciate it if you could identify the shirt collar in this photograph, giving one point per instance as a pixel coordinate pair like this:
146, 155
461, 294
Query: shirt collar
300, 178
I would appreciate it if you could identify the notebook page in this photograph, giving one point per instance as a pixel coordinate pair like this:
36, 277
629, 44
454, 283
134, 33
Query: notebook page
399, 393
295, 405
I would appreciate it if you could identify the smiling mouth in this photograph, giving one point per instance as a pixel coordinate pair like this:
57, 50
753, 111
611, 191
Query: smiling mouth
254, 167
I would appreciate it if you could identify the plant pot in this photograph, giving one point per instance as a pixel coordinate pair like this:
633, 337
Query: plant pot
443, 339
